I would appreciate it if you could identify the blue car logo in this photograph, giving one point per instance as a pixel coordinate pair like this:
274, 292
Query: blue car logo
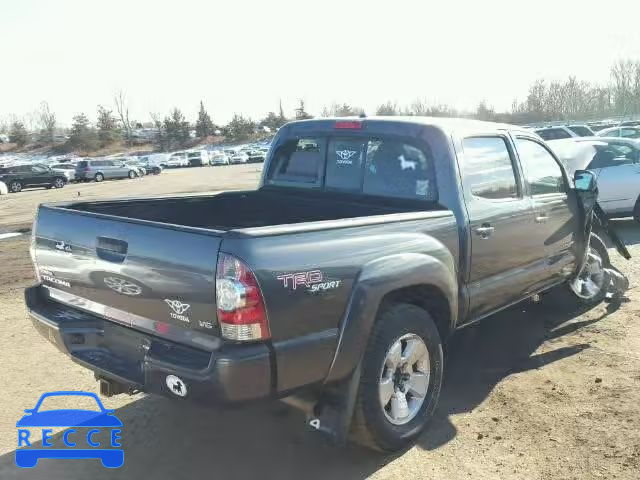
93, 420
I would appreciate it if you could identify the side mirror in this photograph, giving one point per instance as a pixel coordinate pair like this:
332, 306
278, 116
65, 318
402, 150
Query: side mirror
584, 181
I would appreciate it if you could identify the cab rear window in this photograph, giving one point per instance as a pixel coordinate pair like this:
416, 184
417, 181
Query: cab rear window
379, 166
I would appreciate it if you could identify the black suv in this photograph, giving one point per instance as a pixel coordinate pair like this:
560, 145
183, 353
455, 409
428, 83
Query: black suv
22, 176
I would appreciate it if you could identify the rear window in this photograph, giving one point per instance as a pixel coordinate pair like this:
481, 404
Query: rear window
387, 167
82, 164
194, 155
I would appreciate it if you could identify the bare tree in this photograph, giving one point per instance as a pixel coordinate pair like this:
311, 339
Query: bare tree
46, 121
123, 112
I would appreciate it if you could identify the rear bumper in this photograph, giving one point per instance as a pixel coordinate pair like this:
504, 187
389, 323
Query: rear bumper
140, 361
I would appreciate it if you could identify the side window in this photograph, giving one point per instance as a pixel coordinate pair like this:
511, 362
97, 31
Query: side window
39, 169
541, 170
612, 155
629, 133
488, 168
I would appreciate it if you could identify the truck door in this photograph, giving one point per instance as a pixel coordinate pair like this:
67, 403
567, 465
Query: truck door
555, 214
503, 255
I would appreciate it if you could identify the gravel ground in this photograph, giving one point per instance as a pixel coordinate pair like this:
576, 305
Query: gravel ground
536, 392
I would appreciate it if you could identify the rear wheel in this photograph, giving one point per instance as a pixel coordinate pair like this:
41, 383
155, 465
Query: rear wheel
15, 186
58, 183
401, 379
99, 177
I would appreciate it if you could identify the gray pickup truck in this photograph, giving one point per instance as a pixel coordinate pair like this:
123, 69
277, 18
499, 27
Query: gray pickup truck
334, 285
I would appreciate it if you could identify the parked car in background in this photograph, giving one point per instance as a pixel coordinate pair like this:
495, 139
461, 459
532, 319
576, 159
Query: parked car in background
153, 163
256, 156
141, 171
630, 123
177, 160
198, 158
219, 158
100, 169
625, 132
616, 164
230, 152
3, 188
67, 169
240, 157
557, 132
18, 177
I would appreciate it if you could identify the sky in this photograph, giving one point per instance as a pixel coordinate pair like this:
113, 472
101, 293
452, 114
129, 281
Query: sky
243, 57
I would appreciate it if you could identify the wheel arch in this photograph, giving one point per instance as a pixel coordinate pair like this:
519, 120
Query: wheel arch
427, 281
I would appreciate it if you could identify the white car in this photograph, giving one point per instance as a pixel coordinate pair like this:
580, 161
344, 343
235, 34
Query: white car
178, 159
219, 158
623, 132
3, 188
240, 157
616, 164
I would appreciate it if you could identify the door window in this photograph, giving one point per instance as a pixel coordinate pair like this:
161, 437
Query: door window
39, 169
541, 170
488, 168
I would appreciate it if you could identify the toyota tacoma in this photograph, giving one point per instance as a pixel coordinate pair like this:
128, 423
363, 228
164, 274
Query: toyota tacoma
335, 284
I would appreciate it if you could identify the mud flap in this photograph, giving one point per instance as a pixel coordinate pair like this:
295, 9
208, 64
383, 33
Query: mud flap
333, 412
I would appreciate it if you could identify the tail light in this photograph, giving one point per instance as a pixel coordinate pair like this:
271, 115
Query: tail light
241, 311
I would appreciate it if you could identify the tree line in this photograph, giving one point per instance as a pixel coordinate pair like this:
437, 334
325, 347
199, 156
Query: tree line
571, 99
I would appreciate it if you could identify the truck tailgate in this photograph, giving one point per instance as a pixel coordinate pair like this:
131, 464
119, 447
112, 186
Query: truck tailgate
150, 276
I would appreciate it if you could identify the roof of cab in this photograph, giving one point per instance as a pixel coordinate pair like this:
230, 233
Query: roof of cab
446, 124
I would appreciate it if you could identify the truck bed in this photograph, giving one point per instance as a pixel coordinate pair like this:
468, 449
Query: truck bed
259, 208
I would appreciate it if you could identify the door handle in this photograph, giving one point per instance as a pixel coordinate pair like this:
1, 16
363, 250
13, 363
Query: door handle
485, 231
541, 218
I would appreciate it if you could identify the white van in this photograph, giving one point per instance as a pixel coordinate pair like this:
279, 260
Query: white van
198, 158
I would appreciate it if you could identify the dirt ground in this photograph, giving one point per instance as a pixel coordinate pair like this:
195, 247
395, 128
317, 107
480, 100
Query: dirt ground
536, 392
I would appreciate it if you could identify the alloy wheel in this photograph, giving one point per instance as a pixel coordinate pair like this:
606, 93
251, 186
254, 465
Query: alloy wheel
404, 379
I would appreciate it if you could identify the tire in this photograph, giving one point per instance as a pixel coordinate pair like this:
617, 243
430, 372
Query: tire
132, 174
58, 182
15, 186
374, 425
567, 296
98, 177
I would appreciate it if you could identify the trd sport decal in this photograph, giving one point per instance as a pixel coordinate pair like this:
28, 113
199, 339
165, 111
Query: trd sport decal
312, 280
